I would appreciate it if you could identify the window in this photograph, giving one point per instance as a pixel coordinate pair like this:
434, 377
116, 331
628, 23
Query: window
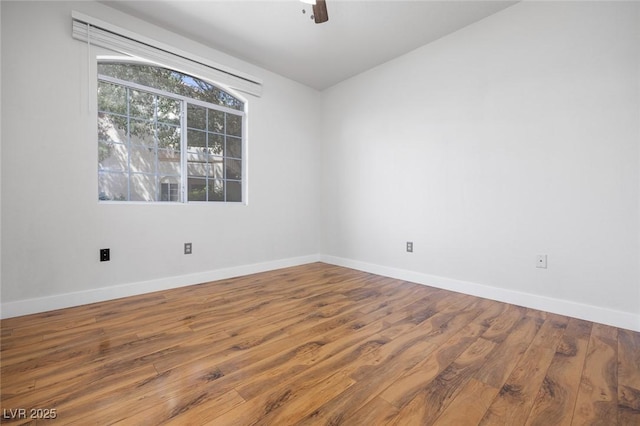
165, 136
169, 191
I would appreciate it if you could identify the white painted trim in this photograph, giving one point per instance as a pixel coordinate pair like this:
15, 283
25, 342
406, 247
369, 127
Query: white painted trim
67, 300
598, 314
611, 317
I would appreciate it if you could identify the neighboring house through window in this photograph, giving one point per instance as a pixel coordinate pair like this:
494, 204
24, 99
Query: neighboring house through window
166, 136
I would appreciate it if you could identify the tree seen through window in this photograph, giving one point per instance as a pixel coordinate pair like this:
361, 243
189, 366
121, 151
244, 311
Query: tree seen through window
167, 136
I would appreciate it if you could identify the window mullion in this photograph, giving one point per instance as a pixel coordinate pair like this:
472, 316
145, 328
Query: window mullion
206, 155
224, 162
128, 143
183, 149
156, 146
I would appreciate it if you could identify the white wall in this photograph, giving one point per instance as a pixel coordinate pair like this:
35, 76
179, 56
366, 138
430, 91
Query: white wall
52, 223
516, 136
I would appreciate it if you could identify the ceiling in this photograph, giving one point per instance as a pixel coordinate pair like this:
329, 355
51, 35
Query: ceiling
276, 35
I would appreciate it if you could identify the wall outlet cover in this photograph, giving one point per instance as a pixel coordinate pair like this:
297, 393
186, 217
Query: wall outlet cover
541, 261
105, 255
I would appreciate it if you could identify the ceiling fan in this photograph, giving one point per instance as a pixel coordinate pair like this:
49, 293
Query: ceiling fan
319, 10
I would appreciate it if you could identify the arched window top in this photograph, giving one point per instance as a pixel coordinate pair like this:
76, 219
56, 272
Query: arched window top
170, 81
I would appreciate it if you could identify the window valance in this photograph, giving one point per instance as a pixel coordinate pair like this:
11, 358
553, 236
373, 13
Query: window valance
104, 34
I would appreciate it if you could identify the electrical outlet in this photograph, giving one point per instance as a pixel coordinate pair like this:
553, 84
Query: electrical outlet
105, 255
409, 247
541, 261
187, 248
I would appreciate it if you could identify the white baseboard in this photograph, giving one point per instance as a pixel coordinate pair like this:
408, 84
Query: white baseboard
592, 313
67, 300
563, 307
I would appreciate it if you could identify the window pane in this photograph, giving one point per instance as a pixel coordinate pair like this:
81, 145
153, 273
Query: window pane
112, 186
112, 98
197, 169
141, 104
143, 187
233, 169
216, 190
169, 189
142, 159
216, 121
168, 136
142, 133
215, 167
112, 128
169, 162
170, 81
197, 190
196, 140
168, 110
234, 147
196, 157
112, 156
229, 101
196, 117
234, 125
215, 144
234, 191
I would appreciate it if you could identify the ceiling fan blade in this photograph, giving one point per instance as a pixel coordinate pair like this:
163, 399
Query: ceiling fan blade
320, 12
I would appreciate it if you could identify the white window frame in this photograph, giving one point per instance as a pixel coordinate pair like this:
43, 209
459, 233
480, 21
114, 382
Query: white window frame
183, 127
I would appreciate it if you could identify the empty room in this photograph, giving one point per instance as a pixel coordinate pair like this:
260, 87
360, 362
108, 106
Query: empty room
321, 212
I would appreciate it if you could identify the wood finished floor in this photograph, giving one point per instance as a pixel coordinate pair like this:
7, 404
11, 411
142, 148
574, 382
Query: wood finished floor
317, 344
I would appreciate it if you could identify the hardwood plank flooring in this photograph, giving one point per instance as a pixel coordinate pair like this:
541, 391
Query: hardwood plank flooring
315, 345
